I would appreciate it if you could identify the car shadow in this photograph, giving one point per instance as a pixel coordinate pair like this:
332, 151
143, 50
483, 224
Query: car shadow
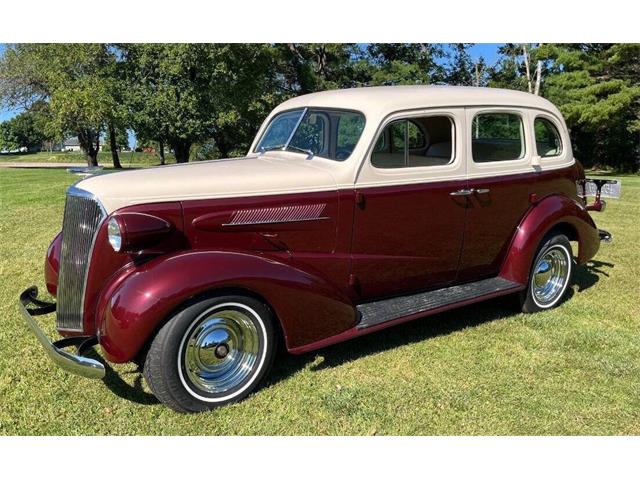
585, 276
286, 365
113, 381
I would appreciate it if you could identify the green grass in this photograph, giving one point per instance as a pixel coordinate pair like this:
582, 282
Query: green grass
477, 370
104, 158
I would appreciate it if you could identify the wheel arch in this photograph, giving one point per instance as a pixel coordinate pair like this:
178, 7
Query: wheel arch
553, 214
210, 293
133, 308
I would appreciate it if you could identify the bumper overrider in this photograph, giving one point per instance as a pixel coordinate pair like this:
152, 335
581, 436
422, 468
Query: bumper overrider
31, 306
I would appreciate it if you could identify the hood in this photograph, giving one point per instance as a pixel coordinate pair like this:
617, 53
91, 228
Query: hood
267, 174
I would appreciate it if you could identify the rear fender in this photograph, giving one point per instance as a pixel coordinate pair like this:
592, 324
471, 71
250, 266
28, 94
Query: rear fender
138, 300
554, 211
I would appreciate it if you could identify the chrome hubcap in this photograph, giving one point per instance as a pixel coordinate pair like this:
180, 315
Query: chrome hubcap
550, 276
221, 350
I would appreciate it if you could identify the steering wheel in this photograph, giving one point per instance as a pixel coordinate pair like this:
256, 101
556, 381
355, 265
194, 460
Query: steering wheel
342, 153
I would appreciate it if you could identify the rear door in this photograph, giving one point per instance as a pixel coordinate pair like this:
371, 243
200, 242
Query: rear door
501, 178
408, 227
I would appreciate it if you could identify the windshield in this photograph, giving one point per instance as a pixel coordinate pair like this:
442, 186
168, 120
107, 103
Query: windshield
331, 134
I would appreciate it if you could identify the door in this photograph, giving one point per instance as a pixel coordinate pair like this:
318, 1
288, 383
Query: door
501, 178
408, 220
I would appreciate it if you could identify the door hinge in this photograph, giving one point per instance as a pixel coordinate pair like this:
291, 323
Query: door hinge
353, 281
360, 199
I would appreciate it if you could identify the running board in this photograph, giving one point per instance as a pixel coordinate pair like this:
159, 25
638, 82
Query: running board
382, 311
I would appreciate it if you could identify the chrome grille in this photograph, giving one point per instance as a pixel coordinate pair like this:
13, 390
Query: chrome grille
82, 216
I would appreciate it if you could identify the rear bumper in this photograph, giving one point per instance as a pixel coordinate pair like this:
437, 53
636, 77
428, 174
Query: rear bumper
31, 307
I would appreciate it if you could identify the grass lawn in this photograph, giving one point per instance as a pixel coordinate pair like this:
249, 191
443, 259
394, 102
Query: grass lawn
104, 158
479, 370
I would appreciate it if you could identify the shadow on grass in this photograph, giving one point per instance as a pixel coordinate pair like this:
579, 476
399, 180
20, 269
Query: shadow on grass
585, 276
416, 331
133, 393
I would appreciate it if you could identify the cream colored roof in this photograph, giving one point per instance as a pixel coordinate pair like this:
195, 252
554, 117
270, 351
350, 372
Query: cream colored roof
382, 100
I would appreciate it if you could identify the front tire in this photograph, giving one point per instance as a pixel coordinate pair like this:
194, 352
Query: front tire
550, 275
213, 352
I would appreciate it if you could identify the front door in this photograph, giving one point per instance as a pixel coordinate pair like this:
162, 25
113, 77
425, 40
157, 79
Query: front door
408, 221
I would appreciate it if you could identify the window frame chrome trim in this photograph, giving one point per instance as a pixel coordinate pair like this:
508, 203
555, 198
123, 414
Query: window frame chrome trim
553, 122
403, 115
523, 131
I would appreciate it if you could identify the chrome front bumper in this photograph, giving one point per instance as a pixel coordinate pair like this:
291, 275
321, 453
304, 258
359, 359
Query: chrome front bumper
30, 307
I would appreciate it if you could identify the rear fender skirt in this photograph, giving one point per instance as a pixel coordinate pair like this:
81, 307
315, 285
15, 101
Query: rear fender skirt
139, 299
543, 216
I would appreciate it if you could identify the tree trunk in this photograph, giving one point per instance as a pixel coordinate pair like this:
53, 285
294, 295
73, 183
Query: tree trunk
538, 75
181, 150
113, 144
222, 145
161, 144
526, 65
86, 138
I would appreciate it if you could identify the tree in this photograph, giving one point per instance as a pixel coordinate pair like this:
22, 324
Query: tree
120, 139
310, 67
77, 83
23, 130
461, 69
406, 63
183, 94
597, 88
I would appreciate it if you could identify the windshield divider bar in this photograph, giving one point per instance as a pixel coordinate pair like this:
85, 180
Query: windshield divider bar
293, 132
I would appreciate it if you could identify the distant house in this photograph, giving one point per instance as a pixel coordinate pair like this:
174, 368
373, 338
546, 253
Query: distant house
71, 144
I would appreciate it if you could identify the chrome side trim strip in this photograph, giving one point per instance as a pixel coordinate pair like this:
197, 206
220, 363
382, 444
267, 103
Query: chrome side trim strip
281, 214
274, 222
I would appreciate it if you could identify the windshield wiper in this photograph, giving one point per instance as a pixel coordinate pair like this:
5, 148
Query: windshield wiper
303, 150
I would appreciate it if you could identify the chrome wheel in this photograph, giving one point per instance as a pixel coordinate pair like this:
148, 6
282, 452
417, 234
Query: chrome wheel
219, 352
551, 275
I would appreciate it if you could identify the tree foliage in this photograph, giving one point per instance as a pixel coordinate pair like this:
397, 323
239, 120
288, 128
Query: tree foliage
204, 100
183, 94
22, 131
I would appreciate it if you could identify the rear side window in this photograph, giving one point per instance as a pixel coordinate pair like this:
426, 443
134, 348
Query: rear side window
497, 137
548, 143
418, 142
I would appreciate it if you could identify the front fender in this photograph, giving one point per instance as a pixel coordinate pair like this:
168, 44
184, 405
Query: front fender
139, 299
552, 211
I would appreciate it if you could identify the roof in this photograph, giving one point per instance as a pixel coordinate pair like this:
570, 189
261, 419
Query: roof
383, 100
72, 142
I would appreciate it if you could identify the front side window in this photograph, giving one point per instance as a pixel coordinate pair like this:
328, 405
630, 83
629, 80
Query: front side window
497, 137
326, 133
548, 143
418, 142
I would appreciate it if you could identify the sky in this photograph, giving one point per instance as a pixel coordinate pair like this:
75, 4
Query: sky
487, 50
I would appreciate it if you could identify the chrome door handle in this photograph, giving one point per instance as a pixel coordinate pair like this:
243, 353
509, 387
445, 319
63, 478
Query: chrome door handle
461, 193
481, 190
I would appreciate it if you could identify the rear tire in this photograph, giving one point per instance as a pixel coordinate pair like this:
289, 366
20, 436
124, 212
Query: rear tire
550, 275
213, 352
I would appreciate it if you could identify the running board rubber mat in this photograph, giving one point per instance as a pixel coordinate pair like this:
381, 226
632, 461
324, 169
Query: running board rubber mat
382, 311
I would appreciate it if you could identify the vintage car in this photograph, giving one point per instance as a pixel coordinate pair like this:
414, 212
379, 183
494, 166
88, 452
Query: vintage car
353, 211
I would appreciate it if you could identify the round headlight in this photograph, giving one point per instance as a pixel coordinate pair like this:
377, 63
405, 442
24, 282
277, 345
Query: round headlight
115, 235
